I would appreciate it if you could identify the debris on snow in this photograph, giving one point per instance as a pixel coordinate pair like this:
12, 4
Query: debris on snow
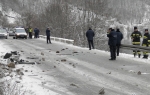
14, 53
75, 52
32, 58
63, 60
109, 73
17, 81
11, 65
70, 63
101, 92
42, 53
62, 49
7, 55
21, 51
72, 84
74, 66
57, 52
43, 59
43, 83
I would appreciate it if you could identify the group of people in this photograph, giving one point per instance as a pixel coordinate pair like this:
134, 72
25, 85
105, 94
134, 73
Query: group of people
136, 40
36, 32
114, 42
115, 38
30, 32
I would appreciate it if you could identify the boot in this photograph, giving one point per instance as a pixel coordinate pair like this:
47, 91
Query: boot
146, 56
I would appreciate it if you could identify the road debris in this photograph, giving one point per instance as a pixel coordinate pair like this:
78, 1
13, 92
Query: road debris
63, 60
102, 92
75, 52
42, 53
43, 59
57, 52
11, 65
7, 55
72, 84
62, 49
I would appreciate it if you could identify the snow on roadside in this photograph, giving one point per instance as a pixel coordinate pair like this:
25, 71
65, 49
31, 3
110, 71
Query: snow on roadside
34, 81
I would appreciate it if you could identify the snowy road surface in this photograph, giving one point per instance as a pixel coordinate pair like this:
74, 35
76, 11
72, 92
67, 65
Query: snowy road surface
77, 71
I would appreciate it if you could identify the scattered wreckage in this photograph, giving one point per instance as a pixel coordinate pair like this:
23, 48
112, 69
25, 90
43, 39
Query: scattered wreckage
14, 58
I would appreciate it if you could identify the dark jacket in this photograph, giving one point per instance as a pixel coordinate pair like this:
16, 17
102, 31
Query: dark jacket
47, 32
136, 35
145, 39
90, 34
112, 38
119, 37
36, 30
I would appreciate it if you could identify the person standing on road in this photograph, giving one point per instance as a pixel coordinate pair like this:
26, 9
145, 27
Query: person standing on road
135, 36
36, 31
90, 34
145, 43
48, 35
30, 32
119, 38
112, 35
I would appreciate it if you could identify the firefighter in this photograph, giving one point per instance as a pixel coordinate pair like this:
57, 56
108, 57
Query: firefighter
135, 36
145, 43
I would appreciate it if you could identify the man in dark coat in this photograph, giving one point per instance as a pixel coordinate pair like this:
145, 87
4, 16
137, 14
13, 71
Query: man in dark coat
36, 33
119, 38
48, 35
112, 35
90, 34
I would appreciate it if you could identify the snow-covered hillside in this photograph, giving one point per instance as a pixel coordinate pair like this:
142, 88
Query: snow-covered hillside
9, 14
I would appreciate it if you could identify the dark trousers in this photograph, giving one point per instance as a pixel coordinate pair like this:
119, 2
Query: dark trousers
112, 51
36, 35
30, 35
117, 48
90, 42
48, 39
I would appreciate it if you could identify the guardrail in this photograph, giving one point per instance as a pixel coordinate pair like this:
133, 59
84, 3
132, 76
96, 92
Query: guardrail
68, 41
135, 47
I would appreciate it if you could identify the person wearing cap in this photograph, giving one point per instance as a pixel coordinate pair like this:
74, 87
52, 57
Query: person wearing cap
112, 35
90, 34
145, 43
48, 35
135, 36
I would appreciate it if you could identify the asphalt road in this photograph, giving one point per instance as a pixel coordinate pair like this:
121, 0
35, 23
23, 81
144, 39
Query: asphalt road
78, 71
